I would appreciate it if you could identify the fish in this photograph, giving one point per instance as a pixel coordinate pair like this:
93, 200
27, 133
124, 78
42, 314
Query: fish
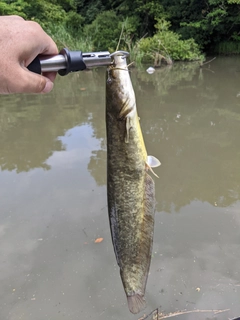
130, 189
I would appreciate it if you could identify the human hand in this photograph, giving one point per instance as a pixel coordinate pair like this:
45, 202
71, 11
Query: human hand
20, 42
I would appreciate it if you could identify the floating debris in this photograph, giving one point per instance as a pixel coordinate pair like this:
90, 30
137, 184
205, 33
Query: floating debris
98, 240
158, 315
150, 70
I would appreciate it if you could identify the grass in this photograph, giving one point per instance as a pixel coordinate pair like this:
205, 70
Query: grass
64, 39
227, 48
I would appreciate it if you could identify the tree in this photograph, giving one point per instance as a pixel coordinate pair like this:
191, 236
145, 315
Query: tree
208, 22
105, 31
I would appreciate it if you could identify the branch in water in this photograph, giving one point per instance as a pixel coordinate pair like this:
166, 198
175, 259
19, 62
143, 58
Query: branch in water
202, 64
161, 316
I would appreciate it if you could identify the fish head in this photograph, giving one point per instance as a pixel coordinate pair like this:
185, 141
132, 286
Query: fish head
120, 97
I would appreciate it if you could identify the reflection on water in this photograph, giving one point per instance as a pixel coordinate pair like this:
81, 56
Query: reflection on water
53, 196
30, 125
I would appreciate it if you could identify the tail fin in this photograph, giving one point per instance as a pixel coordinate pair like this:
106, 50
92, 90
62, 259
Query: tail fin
136, 303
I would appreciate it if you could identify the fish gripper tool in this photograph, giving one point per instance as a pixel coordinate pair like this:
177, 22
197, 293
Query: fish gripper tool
69, 61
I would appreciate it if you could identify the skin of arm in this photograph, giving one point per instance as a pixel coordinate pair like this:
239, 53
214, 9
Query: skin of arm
20, 42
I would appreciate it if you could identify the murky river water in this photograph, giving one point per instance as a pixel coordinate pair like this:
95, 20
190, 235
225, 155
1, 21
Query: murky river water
53, 196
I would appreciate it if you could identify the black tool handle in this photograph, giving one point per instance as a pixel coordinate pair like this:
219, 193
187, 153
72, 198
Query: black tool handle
35, 66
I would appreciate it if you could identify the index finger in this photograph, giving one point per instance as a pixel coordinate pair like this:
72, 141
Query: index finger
41, 43
50, 46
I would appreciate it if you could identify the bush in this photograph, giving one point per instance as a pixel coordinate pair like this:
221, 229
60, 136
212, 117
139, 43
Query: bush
64, 38
14, 8
169, 45
105, 30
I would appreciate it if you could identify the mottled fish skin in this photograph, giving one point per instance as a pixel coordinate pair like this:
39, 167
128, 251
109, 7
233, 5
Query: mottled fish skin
130, 189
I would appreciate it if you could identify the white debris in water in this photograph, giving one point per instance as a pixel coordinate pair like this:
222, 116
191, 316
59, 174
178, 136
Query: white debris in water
150, 70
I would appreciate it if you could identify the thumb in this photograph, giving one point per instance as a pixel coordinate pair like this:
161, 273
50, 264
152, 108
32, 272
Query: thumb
30, 82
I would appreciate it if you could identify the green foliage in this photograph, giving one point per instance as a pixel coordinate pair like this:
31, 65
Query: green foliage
45, 12
57, 17
105, 31
64, 38
169, 24
228, 47
74, 23
144, 11
208, 22
236, 36
169, 45
67, 5
89, 9
128, 32
14, 8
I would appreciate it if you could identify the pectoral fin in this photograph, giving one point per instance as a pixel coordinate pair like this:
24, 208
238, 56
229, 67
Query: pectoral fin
152, 162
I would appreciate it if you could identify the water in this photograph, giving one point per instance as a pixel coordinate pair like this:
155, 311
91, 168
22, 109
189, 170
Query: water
53, 196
